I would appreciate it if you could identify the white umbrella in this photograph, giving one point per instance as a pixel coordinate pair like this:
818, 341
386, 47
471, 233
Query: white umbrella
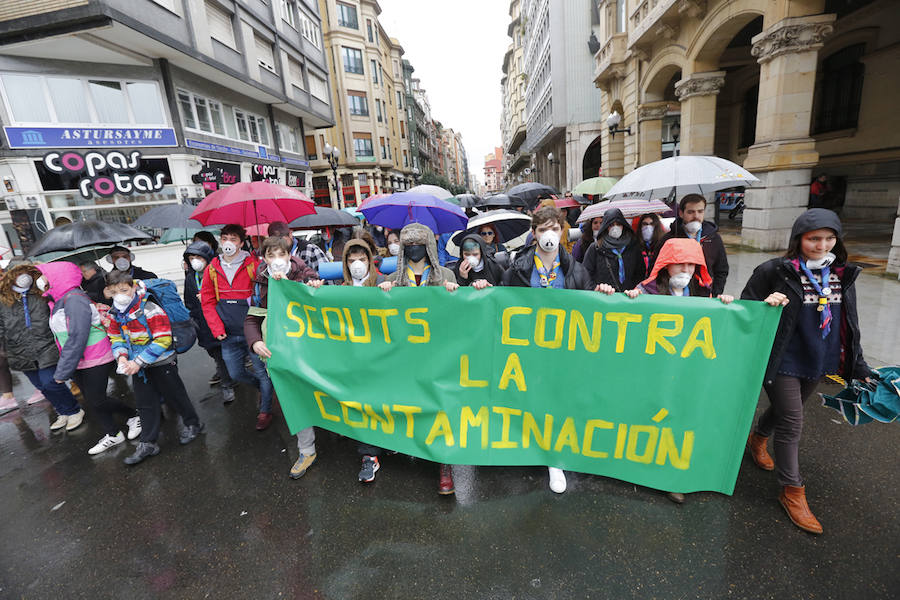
512, 226
435, 190
684, 175
629, 208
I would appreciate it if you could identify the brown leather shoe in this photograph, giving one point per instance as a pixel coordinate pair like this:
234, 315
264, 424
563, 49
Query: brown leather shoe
793, 499
263, 420
445, 486
756, 444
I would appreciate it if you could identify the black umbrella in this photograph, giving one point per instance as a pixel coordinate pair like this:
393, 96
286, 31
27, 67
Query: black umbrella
325, 217
500, 201
509, 224
82, 234
583, 200
531, 193
465, 200
168, 216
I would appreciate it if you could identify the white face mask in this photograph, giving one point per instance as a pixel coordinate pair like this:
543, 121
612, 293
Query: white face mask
379, 228
819, 263
122, 263
595, 233
122, 301
23, 282
229, 248
42, 284
394, 249
549, 241
198, 264
647, 232
680, 281
615, 231
358, 269
693, 227
279, 265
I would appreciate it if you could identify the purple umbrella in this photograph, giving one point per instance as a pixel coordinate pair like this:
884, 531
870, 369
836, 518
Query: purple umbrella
398, 209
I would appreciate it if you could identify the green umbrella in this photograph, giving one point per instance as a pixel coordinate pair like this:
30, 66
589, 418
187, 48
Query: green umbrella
595, 186
180, 234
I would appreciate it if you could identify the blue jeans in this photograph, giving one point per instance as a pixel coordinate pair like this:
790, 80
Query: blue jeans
234, 350
58, 394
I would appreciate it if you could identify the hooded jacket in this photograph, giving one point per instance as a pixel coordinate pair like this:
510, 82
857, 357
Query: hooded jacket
74, 321
603, 265
519, 273
94, 287
28, 343
220, 296
355, 245
142, 332
713, 250
678, 251
253, 322
782, 275
193, 282
415, 234
492, 272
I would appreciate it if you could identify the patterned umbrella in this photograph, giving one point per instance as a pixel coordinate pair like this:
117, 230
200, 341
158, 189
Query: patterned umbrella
629, 208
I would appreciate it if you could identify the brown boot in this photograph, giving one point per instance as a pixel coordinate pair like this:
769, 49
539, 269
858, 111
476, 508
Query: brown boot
756, 444
793, 499
445, 484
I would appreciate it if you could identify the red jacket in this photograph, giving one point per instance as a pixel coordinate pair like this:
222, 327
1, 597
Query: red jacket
216, 287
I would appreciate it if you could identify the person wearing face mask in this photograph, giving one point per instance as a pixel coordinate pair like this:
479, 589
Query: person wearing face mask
690, 224
277, 264
614, 259
122, 259
27, 340
589, 232
305, 250
142, 344
476, 262
818, 334
680, 270
650, 230
418, 266
93, 282
196, 257
546, 264
392, 247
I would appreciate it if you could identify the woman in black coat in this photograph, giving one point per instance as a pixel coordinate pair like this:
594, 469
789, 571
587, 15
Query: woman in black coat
615, 259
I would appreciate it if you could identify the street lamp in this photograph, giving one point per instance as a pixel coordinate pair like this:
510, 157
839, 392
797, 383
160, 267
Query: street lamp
415, 174
333, 155
612, 121
676, 133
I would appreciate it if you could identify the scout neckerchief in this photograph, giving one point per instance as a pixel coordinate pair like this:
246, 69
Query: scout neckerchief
824, 292
547, 277
412, 276
618, 253
25, 306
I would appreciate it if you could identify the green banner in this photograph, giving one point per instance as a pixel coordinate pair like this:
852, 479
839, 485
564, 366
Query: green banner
658, 391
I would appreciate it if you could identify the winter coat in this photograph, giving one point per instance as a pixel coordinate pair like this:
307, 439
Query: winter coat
782, 275
225, 304
74, 321
254, 319
193, 282
412, 235
603, 265
519, 273
492, 272
713, 250
94, 287
142, 332
27, 347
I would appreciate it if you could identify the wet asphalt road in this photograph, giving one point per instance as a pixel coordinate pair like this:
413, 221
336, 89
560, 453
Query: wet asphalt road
220, 518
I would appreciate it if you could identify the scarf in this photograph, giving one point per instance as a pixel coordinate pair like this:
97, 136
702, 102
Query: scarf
25, 306
547, 276
823, 291
412, 276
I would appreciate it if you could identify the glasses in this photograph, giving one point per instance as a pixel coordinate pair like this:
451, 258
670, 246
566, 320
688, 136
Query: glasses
487, 233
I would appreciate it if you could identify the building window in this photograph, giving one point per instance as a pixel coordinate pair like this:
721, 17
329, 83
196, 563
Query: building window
840, 90
265, 54
311, 153
353, 60
201, 114
250, 127
309, 30
347, 16
347, 180
362, 145
287, 12
403, 129
358, 104
399, 100
289, 138
369, 31
295, 71
221, 27
363, 179
318, 87
621, 16
374, 66
405, 159
378, 110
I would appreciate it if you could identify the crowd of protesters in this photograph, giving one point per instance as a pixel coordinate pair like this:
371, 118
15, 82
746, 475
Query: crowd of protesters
74, 330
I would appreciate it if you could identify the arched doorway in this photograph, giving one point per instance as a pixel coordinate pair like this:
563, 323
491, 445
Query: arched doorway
593, 159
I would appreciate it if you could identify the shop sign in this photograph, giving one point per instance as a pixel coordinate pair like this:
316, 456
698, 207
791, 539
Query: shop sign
265, 173
296, 179
83, 137
260, 152
106, 173
215, 174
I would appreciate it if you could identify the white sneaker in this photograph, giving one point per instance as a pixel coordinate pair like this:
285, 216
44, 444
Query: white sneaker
134, 427
557, 480
107, 442
75, 420
59, 423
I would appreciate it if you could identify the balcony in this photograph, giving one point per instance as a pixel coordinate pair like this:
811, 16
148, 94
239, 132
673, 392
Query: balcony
659, 18
610, 59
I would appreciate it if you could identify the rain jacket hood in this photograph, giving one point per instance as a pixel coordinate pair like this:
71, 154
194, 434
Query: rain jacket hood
677, 251
8, 295
63, 278
821, 218
355, 245
201, 249
610, 217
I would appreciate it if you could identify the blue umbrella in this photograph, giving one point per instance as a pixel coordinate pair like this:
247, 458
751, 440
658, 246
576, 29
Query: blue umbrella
401, 208
862, 402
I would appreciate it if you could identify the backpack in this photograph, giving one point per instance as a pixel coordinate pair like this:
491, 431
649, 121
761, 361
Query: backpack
164, 294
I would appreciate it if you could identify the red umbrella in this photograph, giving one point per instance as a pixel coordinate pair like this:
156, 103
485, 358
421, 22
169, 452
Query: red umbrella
262, 229
251, 203
566, 203
369, 199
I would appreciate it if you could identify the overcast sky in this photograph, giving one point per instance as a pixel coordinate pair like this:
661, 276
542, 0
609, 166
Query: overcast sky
457, 51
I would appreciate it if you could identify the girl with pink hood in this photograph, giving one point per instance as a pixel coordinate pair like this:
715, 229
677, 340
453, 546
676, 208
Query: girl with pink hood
85, 353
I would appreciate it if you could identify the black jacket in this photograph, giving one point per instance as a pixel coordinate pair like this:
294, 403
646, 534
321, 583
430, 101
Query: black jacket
142, 274
519, 273
713, 251
28, 348
94, 287
205, 337
603, 265
492, 272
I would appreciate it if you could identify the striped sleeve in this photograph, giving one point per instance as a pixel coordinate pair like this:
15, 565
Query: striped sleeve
117, 337
160, 333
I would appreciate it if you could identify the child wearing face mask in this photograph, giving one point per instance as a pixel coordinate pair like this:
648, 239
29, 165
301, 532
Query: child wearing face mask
650, 230
278, 264
141, 337
614, 259
818, 334
680, 270
196, 258
28, 342
476, 262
